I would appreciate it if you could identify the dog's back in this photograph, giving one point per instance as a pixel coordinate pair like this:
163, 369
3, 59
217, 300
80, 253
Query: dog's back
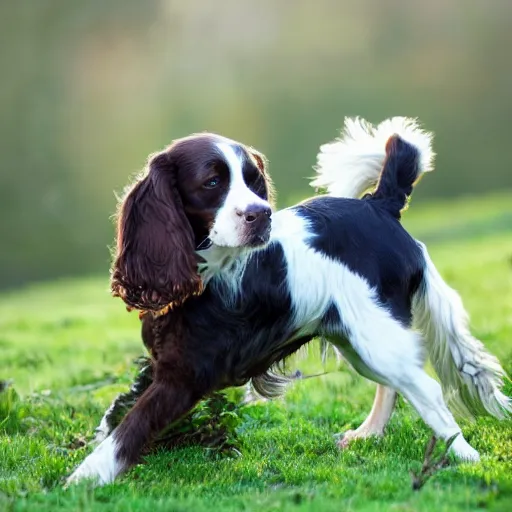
370, 241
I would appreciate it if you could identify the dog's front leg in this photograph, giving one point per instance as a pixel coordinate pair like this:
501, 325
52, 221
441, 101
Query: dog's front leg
165, 401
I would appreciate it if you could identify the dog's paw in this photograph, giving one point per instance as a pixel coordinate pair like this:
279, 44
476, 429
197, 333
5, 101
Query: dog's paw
84, 472
101, 466
347, 437
463, 451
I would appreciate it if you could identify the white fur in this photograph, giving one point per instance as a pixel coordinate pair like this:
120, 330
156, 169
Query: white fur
103, 429
315, 281
228, 228
471, 376
378, 346
227, 265
101, 465
219, 259
351, 165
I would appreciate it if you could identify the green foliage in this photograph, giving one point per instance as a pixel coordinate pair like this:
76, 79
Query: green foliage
67, 349
211, 424
10, 413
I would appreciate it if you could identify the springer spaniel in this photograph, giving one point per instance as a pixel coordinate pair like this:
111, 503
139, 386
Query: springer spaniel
228, 287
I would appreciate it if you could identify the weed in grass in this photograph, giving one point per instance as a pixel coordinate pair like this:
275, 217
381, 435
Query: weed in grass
431, 463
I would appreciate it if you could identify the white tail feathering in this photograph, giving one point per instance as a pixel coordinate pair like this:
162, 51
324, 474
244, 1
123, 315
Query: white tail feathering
351, 165
470, 376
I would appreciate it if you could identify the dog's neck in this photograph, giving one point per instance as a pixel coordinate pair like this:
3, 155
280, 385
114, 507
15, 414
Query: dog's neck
217, 261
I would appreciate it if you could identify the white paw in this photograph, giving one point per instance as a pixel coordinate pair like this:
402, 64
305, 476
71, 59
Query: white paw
463, 450
101, 465
85, 472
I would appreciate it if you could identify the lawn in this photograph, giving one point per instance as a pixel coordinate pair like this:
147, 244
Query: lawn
67, 348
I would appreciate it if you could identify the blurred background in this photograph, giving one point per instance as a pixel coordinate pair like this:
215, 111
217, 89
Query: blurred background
88, 89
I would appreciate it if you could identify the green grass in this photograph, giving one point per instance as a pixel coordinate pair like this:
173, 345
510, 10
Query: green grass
68, 347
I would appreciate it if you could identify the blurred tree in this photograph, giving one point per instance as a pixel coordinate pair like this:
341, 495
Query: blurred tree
89, 89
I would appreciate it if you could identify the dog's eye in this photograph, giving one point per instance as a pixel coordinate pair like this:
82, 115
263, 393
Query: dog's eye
211, 182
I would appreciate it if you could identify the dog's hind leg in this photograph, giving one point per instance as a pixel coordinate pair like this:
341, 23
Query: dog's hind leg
381, 349
375, 423
425, 394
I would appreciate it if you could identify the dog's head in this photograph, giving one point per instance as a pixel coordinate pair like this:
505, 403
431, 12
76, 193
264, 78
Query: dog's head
201, 189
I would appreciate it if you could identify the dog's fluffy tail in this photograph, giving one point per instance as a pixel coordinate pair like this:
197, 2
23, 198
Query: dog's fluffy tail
471, 377
364, 156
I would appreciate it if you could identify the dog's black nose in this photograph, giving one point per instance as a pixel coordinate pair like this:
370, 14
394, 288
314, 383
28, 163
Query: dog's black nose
255, 212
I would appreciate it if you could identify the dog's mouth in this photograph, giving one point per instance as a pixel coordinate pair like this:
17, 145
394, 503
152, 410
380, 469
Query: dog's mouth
253, 234
259, 238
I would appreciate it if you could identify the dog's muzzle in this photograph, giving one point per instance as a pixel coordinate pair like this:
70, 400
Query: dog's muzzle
257, 223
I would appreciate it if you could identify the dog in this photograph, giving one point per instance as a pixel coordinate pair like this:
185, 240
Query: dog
228, 287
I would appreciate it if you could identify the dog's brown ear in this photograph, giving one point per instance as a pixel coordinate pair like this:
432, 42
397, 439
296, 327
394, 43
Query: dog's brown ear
155, 262
260, 159
262, 163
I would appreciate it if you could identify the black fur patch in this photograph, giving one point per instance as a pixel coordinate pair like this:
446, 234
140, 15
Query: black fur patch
362, 235
242, 341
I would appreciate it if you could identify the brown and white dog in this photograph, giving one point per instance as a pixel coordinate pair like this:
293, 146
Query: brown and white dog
229, 287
